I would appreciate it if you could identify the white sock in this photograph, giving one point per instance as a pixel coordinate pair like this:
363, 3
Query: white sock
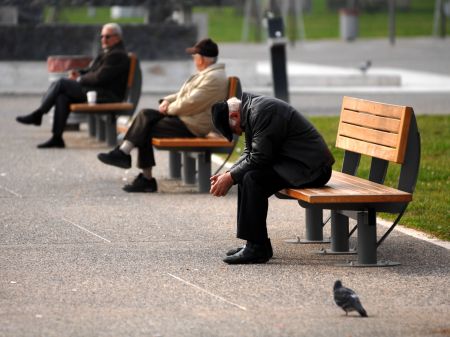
126, 147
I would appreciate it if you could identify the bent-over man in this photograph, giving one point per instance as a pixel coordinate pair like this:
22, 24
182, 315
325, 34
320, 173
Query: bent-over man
282, 149
186, 113
107, 75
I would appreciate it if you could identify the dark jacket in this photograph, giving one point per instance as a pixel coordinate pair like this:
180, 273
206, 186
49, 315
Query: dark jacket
108, 74
277, 135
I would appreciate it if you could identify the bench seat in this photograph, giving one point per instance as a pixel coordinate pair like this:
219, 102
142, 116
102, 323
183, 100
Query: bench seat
194, 144
185, 152
101, 107
344, 188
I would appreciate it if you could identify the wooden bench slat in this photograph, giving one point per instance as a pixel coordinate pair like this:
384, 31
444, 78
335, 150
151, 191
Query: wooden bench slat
191, 142
375, 122
374, 108
343, 188
100, 107
368, 135
369, 149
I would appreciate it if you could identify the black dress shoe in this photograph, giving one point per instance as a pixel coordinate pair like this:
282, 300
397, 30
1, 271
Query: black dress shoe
116, 158
238, 249
34, 118
56, 142
142, 184
252, 253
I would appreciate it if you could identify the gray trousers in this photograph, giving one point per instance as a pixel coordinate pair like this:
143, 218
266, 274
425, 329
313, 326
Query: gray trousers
151, 123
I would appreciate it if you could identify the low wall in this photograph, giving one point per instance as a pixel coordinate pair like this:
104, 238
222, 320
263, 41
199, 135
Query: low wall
149, 42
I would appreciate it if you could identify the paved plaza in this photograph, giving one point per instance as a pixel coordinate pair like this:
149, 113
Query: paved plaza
80, 257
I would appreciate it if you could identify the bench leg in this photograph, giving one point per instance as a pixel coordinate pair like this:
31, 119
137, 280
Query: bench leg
313, 227
111, 130
367, 242
204, 172
100, 128
367, 238
174, 165
92, 125
339, 235
188, 174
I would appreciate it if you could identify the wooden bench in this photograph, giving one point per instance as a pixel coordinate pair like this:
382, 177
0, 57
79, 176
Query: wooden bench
387, 134
102, 116
185, 152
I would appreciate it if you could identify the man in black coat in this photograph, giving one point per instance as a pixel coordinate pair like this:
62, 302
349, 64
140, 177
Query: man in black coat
107, 75
282, 149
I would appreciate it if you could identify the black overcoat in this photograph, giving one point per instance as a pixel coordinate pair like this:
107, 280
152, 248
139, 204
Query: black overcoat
108, 74
279, 136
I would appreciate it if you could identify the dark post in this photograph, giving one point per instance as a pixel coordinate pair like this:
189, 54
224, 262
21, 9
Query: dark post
277, 43
443, 19
392, 21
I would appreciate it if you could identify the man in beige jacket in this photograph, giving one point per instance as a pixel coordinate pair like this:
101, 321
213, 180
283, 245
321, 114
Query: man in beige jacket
186, 113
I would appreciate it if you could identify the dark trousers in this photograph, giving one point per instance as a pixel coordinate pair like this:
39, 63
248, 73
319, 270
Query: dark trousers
151, 123
253, 193
61, 94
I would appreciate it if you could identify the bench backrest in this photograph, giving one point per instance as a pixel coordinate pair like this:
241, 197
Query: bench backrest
234, 87
374, 129
134, 83
385, 132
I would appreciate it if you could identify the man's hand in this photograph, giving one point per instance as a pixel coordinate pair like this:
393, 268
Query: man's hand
73, 74
163, 107
220, 184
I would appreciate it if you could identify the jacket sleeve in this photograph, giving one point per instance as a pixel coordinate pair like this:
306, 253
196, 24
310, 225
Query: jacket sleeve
197, 99
113, 65
170, 98
265, 142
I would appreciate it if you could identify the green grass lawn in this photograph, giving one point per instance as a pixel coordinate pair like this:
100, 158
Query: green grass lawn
79, 15
321, 23
429, 211
225, 23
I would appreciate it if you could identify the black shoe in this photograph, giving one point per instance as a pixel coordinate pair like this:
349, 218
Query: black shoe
57, 142
34, 118
238, 249
141, 184
116, 158
252, 253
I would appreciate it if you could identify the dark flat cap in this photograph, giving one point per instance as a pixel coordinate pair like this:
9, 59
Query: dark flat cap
205, 47
219, 113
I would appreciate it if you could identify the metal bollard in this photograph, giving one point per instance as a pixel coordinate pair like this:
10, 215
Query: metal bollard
277, 43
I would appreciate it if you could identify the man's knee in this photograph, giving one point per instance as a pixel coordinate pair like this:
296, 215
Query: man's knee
251, 178
149, 113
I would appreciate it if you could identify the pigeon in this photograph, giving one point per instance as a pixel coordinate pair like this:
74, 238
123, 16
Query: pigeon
347, 299
364, 67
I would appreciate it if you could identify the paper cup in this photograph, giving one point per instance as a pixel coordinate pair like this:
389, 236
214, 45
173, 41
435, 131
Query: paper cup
91, 97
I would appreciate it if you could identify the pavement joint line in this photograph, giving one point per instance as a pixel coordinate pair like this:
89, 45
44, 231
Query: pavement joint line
207, 292
11, 191
85, 229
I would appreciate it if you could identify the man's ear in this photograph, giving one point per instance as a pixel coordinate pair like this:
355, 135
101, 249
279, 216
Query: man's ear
233, 115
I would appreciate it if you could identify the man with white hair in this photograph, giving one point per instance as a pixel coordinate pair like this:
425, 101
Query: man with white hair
186, 113
107, 75
282, 149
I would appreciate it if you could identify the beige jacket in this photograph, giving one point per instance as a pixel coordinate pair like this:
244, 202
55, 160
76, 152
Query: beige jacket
193, 102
